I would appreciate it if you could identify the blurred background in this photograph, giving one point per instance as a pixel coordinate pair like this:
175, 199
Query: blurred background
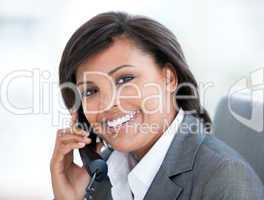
222, 40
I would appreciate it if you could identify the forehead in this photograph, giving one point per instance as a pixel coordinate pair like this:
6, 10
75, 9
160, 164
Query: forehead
121, 52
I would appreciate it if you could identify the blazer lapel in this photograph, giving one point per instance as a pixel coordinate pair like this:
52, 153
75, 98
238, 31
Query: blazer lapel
163, 187
169, 182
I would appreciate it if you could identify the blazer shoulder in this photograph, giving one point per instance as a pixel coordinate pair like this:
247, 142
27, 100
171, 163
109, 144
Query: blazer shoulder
214, 152
233, 179
219, 150
224, 173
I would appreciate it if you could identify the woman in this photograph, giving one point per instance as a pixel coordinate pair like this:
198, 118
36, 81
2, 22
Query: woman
131, 75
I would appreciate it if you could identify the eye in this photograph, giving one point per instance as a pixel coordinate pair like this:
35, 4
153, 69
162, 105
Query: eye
88, 92
124, 79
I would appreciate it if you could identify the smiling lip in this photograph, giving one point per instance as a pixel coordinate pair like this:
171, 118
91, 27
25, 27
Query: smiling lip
114, 123
115, 116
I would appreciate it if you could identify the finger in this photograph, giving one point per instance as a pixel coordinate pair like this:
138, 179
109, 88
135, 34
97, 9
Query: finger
78, 131
64, 134
70, 139
71, 131
64, 131
65, 149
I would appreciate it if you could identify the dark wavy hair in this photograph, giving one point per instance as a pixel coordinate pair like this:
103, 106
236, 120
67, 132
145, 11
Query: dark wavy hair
97, 34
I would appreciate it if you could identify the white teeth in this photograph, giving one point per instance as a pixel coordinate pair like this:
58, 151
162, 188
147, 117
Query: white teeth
121, 120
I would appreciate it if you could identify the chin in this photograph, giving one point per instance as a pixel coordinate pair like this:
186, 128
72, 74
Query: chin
124, 146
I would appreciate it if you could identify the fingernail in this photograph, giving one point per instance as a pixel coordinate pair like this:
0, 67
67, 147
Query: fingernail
81, 144
87, 139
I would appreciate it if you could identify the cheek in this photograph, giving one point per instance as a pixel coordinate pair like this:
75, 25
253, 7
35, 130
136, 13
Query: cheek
91, 119
89, 109
152, 105
152, 100
90, 105
129, 97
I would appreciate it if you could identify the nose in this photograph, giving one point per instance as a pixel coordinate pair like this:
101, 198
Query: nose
108, 106
108, 100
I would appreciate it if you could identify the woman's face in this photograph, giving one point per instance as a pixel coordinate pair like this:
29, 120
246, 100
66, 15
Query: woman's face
126, 96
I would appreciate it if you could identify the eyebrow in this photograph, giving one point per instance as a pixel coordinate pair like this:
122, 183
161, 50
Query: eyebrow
109, 73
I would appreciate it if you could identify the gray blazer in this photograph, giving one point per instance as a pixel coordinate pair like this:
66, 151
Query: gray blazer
198, 166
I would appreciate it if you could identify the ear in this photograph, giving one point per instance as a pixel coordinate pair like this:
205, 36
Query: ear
170, 77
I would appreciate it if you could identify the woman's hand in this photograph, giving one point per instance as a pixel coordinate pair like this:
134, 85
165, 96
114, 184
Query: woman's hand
68, 179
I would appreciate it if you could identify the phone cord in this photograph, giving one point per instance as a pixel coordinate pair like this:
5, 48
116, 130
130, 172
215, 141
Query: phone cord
90, 188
